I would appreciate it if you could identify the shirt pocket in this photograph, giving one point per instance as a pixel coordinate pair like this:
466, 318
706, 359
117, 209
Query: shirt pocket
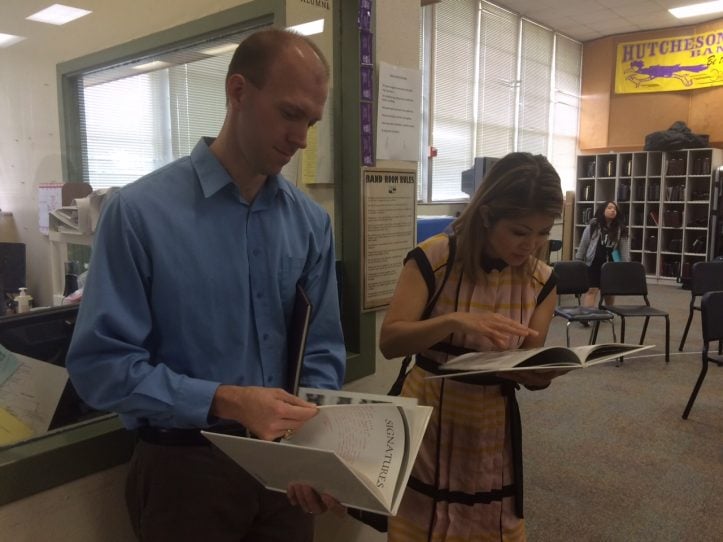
291, 269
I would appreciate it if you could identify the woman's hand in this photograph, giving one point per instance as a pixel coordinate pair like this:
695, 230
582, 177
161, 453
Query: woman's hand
533, 380
495, 327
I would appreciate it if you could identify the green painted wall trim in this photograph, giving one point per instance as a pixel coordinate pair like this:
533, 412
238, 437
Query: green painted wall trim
56, 459
359, 327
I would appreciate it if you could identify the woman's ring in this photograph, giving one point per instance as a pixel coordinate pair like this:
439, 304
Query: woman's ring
288, 433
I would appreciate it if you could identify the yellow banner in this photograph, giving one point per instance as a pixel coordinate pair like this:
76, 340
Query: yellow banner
670, 64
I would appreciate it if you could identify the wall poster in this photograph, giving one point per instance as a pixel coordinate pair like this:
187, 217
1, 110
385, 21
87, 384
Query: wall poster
670, 64
389, 215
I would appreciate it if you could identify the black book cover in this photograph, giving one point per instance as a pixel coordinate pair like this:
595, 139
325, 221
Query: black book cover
298, 331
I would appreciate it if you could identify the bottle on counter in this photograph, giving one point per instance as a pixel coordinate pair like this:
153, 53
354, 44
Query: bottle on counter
23, 300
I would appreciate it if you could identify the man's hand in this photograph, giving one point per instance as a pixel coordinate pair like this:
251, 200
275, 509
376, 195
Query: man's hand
268, 413
312, 502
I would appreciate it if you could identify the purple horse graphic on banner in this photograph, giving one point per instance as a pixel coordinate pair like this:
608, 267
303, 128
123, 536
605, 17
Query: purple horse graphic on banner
639, 73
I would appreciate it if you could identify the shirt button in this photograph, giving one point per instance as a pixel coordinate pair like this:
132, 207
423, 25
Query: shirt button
256, 252
269, 379
266, 336
259, 295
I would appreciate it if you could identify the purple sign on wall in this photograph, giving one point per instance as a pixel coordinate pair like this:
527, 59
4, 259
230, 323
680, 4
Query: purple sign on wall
365, 15
365, 47
366, 78
367, 138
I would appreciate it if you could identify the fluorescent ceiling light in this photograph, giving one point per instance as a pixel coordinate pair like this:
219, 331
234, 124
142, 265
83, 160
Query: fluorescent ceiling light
155, 65
704, 8
310, 28
220, 49
6, 40
58, 14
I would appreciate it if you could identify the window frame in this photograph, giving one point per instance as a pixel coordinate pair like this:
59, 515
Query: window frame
246, 17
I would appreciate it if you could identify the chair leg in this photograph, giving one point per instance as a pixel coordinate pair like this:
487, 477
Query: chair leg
645, 329
593, 333
667, 339
685, 331
696, 388
612, 327
567, 333
622, 337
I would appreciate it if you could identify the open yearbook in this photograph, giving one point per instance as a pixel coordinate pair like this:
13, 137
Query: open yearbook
543, 358
359, 448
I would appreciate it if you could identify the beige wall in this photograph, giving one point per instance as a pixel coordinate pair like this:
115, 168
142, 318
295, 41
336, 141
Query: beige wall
617, 122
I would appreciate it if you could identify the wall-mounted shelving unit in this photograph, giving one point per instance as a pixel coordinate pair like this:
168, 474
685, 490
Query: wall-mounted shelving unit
666, 198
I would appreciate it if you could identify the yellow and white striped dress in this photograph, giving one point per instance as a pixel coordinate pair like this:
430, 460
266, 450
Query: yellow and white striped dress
463, 483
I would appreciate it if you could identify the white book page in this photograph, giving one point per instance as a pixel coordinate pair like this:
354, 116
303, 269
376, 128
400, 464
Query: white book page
543, 358
277, 464
323, 397
370, 438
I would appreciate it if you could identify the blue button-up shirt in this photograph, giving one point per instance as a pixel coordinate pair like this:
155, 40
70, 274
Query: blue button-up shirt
191, 287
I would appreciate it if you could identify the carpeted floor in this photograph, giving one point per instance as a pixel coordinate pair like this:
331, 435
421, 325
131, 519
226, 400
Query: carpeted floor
607, 455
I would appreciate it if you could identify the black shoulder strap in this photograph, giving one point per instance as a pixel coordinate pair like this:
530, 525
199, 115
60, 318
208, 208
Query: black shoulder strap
432, 300
396, 388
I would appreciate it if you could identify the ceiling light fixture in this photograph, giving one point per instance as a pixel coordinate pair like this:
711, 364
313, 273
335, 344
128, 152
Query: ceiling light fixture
153, 65
6, 40
58, 14
693, 10
219, 49
309, 29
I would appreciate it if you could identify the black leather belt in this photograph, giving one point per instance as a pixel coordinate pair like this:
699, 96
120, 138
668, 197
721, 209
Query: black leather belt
168, 436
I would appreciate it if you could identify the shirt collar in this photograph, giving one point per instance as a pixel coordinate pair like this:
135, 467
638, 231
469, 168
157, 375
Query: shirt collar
492, 264
213, 176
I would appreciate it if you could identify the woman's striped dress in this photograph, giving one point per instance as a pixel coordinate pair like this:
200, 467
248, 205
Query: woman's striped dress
463, 483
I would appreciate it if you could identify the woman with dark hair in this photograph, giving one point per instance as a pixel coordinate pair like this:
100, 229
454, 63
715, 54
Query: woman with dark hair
605, 239
498, 294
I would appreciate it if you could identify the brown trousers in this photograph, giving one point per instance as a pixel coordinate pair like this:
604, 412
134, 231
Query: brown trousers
197, 493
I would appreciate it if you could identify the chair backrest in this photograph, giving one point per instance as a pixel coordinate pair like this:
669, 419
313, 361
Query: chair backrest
571, 277
711, 308
623, 278
706, 277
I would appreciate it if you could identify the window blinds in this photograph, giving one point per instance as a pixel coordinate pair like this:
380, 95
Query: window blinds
500, 83
138, 116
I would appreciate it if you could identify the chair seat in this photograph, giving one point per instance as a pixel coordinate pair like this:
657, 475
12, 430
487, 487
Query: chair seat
635, 310
583, 313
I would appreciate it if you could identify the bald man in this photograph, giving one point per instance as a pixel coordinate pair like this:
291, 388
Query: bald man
184, 317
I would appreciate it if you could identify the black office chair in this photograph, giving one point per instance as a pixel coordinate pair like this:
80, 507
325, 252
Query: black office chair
572, 279
628, 279
711, 317
705, 277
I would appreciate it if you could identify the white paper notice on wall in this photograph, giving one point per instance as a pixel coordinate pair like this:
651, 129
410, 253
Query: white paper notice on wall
398, 113
50, 198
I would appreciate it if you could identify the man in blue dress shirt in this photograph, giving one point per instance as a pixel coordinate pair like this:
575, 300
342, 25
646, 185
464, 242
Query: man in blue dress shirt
184, 317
